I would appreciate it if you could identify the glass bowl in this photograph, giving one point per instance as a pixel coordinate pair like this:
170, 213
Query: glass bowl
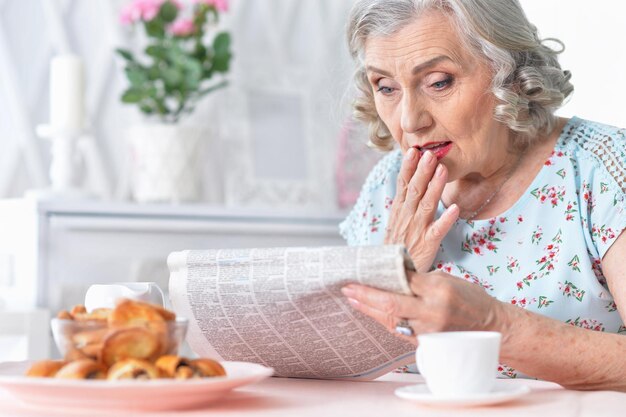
79, 339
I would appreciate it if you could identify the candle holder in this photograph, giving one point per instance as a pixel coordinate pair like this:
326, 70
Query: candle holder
65, 166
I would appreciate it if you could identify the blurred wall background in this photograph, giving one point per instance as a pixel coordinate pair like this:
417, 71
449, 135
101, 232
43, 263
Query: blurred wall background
284, 50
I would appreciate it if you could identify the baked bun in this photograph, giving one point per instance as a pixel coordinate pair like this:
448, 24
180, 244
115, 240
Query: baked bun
89, 342
134, 342
172, 366
45, 369
133, 369
64, 315
78, 310
129, 313
82, 369
206, 367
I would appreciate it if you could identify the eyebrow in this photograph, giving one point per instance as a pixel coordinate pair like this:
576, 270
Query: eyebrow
417, 69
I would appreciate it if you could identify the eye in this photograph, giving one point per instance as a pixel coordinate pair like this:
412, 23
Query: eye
443, 84
384, 90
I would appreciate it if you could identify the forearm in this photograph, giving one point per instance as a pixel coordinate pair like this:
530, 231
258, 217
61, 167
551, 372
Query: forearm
551, 350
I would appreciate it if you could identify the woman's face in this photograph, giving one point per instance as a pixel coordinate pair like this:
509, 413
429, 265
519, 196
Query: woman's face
431, 93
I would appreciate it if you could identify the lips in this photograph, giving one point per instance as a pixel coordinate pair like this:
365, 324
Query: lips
439, 149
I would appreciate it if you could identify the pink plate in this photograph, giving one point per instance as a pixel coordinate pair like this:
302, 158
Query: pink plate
164, 394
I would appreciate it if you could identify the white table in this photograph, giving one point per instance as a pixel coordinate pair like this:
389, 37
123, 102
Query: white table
277, 397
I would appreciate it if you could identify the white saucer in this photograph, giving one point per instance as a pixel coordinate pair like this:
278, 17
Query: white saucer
502, 392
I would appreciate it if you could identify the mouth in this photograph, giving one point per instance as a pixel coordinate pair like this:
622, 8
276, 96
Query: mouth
439, 149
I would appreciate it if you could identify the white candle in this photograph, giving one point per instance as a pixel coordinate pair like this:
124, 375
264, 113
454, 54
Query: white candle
66, 93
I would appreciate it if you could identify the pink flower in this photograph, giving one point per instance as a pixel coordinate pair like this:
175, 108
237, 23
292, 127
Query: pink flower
220, 5
182, 27
145, 10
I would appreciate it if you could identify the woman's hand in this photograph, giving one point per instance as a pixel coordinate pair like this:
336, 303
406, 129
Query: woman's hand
412, 219
441, 303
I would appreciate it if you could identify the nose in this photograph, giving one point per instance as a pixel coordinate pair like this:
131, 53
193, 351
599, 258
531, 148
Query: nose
415, 116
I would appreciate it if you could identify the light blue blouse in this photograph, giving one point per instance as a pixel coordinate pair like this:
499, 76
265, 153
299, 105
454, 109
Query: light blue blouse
543, 254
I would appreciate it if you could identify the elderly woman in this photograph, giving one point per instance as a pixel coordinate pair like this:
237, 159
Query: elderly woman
489, 186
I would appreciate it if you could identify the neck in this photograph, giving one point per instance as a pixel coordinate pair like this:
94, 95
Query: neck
475, 192
507, 172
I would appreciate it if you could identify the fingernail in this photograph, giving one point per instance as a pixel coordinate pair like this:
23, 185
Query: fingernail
348, 292
428, 157
439, 171
410, 154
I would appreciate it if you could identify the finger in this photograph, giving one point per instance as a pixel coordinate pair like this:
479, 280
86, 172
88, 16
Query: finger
417, 188
391, 305
440, 228
409, 165
424, 248
427, 206
389, 323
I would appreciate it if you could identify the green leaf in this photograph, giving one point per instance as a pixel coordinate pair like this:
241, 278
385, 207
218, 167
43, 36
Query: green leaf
221, 43
125, 54
221, 63
222, 55
154, 73
168, 12
132, 95
146, 108
200, 52
157, 51
176, 55
193, 74
155, 28
136, 75
171, 76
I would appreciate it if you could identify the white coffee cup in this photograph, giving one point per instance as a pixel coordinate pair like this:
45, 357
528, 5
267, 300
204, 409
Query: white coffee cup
106, 295
458, 364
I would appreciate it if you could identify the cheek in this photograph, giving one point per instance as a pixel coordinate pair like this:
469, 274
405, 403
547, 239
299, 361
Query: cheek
386, 112
471, 117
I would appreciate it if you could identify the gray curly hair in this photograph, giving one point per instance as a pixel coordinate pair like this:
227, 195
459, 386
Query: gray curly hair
527, 78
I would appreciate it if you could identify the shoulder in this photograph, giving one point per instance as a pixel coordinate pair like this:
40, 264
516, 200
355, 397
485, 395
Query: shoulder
597, 151
362, 226
598, 156
596, 141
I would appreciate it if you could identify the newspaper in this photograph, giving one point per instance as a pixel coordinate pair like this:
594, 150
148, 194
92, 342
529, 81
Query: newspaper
283, 308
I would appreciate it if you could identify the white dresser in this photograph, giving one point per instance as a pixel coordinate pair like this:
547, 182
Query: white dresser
51, 251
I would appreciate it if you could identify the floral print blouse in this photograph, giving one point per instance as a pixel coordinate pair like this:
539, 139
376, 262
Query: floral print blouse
543, 254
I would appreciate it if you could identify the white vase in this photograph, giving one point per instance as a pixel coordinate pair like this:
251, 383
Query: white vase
166, 162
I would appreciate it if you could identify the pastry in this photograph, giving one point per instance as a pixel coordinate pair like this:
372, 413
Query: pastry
133, 369
166, 314
206, 367
45, 369
85, 344
133, 342
131, 313
77, 310
64, 315
177, 367
98, 314
82, 369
